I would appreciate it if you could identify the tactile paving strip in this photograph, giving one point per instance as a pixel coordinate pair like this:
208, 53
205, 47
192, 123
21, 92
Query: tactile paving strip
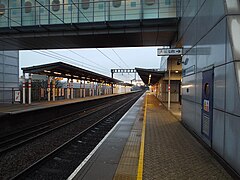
128, 165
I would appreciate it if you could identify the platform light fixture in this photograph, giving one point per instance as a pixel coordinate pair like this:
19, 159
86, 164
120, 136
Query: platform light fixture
69, 75
149, 78
176, 72
46, 71
57, 73
75, 76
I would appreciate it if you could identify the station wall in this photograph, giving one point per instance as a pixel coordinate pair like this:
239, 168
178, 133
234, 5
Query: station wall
9, 74
208, 33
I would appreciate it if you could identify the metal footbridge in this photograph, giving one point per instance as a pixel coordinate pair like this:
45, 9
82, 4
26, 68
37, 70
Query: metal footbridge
46, 24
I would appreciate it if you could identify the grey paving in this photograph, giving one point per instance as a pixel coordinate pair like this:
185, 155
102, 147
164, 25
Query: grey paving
171, 152
105, 161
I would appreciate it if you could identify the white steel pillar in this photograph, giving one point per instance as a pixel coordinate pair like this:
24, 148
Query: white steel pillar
84, 90
49, 89
68, 90
97, 89
53, 88
24, 89
71, 88
30, 89
169, 88
80, 89
92, 88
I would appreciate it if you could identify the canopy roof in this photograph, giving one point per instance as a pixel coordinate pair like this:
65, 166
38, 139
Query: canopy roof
150, 76
60, 69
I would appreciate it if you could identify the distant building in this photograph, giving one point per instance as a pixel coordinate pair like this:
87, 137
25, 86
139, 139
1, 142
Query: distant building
9, 73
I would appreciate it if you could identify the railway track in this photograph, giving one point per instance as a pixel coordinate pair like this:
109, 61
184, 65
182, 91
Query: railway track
23, 136
22, 157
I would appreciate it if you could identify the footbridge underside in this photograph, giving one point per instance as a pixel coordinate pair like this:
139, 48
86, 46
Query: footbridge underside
131, 33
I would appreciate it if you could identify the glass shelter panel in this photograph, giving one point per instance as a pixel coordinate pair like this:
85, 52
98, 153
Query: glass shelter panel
151, 9
101, 10
4, 12
42, 12
15, 12
28, 12
86, 10
133, 9
117, 10
56, 12
167, 8
69, 9
72, 12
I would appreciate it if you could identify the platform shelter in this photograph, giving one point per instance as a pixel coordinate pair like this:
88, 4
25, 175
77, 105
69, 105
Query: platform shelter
90, 83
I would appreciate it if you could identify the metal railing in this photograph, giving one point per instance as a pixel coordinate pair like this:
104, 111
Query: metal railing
99, 11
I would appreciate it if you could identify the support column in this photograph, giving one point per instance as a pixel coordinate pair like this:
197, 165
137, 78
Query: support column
71, 88
68, 90
84, 90
92, 88
30, 89
104, 91
97, 89
24, 90
53, 88
80, 90
49, 89
169, 89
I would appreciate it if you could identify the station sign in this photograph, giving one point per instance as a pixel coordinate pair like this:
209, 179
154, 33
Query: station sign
169, 52
17, 96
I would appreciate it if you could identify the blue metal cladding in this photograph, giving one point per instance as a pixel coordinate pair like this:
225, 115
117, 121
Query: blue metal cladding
41, 12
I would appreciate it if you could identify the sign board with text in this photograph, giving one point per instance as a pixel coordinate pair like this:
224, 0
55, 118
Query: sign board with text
17, 96
169, 52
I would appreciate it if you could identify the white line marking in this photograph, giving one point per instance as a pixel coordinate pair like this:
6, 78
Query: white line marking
99, 144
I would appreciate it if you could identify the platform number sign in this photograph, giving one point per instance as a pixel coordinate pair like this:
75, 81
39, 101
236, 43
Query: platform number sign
17, 96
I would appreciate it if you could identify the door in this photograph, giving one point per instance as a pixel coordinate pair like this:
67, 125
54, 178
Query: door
207, 104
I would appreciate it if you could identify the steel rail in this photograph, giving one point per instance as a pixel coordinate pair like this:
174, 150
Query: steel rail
38, 132
23, 174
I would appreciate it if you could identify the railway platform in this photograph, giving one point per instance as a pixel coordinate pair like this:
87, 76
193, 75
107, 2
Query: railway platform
149, 143
16, 116
18, 108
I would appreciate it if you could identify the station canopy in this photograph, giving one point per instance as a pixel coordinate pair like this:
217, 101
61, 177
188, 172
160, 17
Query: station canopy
60, 69
150, 76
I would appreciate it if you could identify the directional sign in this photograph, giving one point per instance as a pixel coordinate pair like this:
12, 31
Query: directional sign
169, 52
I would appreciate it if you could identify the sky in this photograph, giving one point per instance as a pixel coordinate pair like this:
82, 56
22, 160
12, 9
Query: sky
100, 60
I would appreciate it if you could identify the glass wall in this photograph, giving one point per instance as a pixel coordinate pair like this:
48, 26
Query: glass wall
4, 13
28, 12
41, 12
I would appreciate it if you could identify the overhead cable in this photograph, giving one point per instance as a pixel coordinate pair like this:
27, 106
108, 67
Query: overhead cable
87, 59
61, 59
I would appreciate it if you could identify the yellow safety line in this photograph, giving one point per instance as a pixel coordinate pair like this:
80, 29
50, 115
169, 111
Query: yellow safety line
141, 154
